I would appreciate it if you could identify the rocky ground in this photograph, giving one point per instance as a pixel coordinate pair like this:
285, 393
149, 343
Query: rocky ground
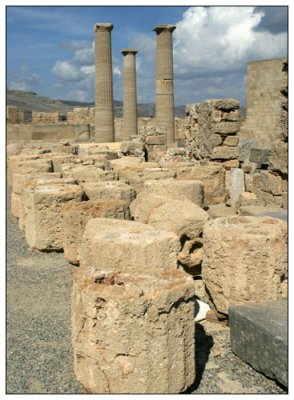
38, 331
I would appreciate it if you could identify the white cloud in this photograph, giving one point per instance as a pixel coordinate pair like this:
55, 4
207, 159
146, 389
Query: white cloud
24, 79
116, 70
65, 70
85, 55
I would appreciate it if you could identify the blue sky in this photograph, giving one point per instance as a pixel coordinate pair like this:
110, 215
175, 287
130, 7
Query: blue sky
50, 49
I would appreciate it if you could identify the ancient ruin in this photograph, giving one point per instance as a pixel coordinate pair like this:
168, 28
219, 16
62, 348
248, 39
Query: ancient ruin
150, 219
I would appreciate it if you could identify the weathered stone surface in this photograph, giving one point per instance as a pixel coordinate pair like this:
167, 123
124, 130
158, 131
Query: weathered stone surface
231, 141
133, 333
260, 155
15, 204
155, 139
58, 160
220, 210
259, 335
191, 256
28, 166
245, 260
230, 164
237, 185
109, 190
264, 211
75, 216
213, 177
133, 148
177, 190
267, 182
278, 159
20, 180
126, 161
128, 246
182, 217
43, 206
143, 205
246, 199
83, 173
224, 153
226, 128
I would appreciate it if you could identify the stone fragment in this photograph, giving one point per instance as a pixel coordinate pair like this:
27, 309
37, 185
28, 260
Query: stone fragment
128, 246
43, 206
201, 310
126, 161
191, 256
133, 333
237, 185
231, 141
259, 335
182, 217
260, 155
245, 260
109, 190
213, 177
75, 216
224, 153
225, 128
177, 190
264, 211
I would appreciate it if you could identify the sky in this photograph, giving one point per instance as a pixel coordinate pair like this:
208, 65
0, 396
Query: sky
50, 50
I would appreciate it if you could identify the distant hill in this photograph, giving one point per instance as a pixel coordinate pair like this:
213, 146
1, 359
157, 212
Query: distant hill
30, 101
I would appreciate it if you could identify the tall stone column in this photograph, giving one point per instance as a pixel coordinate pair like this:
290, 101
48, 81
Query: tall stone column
164, 81
104, 113
130, 126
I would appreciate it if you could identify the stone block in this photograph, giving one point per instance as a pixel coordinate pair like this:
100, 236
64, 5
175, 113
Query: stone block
231, 141
15, 204
28, 166
43, 204
109, 190
245, 260
225, 128
20, 180
75, 216
267, 182
58, 160
182, 217
278, 159
223, 104
237, 185
176, 189
143, 205
259, 335
128, 246
126, 161
83, 173
264, 211
213, 177
233, 116
246, 199
260, 155
224, 153
133, 333
220, 210
155, 139
231, 164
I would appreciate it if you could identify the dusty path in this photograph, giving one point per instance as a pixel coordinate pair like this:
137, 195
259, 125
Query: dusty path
38, 331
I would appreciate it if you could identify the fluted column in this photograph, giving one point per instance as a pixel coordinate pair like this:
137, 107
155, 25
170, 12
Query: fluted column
104, 114
130, 127
164, 81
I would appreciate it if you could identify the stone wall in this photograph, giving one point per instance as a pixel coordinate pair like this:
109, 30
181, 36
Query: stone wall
47, 117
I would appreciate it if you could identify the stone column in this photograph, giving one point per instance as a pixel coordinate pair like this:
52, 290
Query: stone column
130, 126
104, 114
164, 81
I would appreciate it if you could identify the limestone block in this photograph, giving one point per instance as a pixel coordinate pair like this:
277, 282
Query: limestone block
230, 164
126, 161
267, 182
133, 333
216, 139
43, 214
109, 190
220, 210
29, 164
30, 182
231, 141
213, 177
15, 204
245, 260
84, 173
264, 211
246, 199
223, 104
237, 185
20, 180
182, 217
224, 153
133, 148
231, 115
144, 204
106, 152
248, 182
278, 160
128, 246
155, 139
75, 216
259, 335
58, 160
225, 128
176, 189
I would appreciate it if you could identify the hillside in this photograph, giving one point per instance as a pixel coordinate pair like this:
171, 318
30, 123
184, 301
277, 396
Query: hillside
30, 101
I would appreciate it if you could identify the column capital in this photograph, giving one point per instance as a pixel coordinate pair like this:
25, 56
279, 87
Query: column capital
163, 28
129, 51
103, 27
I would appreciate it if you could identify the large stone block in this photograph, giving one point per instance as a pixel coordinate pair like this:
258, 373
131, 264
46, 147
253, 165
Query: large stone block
259, 335
267, 182
133, 333
226, 128
182, 217
75, 216
225, 153
84, 173
109, 190
177, 190
213, 177
21, 180
27, 166
278, 159
128, 246
245, 260
264, 211
43, 206
144, 204
237, 185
